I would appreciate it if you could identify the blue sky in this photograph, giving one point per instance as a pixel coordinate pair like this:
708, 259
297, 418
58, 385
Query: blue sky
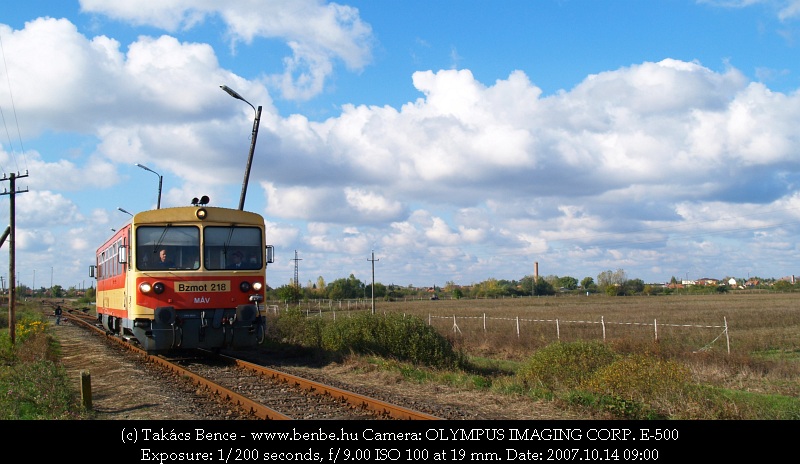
458, 140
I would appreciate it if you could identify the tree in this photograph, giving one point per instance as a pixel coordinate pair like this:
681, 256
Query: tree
527, 285
567, 282
289, 292
543, 287
380, 290
349, 288
633, 286
604, 279
490, 288
58, 291
612, 282
782, 286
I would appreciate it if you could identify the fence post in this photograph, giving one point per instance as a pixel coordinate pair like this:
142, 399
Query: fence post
655, 328
558, 331
727, 337
517, 326
86, 389
484, 322
603, 323
455, 325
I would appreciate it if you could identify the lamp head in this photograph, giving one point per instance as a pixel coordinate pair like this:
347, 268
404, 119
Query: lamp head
231, 92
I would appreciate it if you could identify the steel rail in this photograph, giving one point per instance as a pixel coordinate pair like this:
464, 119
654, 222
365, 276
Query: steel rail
355, 399
257, 409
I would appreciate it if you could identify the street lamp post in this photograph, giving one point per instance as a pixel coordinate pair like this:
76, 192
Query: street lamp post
160, 180
126, 212
256, 122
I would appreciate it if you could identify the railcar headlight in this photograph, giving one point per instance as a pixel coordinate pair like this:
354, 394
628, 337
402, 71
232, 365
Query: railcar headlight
257, 286
145, 287
201, 213
244, 287
158, 287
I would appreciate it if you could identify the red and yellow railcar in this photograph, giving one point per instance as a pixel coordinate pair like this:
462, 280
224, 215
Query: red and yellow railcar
185, 277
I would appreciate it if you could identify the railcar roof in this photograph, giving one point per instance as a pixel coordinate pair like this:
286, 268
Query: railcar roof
188, 214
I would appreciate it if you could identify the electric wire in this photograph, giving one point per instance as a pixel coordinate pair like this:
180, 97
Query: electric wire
14, 111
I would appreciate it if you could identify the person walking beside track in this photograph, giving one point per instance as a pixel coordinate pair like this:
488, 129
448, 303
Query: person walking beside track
57, 312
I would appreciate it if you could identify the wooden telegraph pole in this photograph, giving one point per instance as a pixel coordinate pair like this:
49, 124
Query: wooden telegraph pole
12, 291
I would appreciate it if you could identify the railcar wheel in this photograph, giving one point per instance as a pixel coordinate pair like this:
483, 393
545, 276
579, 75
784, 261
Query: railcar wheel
261, 332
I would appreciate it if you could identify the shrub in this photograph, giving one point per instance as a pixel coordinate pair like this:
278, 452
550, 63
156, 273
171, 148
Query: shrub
294, 328
564, 365
641, 385
405, 338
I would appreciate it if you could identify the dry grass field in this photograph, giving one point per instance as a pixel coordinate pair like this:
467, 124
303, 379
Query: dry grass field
758, 324
746, 341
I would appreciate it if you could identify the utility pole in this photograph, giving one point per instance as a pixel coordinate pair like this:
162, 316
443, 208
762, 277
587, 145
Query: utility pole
296, 279
12, 318
373, 279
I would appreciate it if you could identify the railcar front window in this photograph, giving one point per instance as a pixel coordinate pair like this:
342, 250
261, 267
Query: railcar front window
167, 247
233, 247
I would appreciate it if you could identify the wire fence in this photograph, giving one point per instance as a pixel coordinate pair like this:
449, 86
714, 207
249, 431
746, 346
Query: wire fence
518, 325
557, 324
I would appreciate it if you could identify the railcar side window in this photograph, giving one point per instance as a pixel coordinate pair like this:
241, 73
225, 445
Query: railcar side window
222, 243
180, 246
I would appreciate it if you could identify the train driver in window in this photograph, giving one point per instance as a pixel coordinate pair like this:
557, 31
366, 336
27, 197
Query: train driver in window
237, 260
191, 260
163, 259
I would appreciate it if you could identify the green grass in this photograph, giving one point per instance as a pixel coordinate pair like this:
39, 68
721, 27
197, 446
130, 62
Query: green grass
779, 355
34, 384
622, 377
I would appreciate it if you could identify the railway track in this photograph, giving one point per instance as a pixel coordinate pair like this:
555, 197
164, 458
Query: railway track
260, 392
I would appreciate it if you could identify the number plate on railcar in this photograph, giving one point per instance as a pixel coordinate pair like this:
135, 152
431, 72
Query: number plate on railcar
203, 286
